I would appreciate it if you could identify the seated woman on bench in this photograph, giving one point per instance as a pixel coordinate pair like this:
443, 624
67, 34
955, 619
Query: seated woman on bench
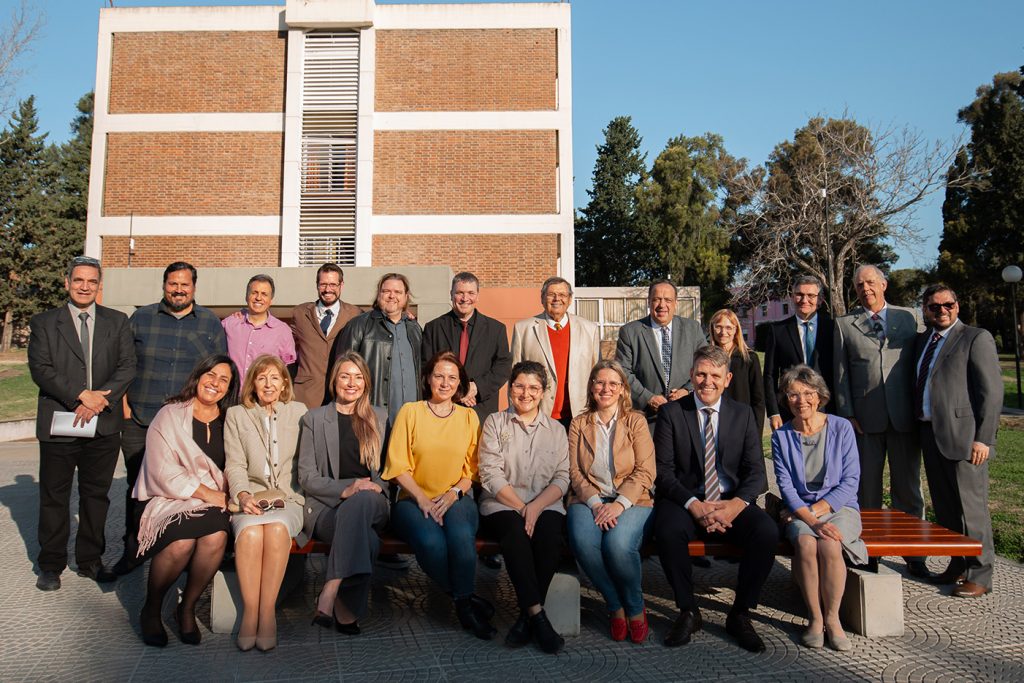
524, 472
817, 468
261, 437
346, 500
432, 455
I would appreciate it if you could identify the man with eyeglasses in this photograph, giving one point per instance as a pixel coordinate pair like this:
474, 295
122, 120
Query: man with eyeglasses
874, 348
567, 345
958, 395
803, 338
315, 326
81, 357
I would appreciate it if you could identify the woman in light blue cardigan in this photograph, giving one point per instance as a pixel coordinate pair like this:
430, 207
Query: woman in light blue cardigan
817, 469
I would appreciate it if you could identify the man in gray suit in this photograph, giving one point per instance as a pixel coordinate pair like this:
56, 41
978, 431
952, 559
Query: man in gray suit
659, 372
958, 396
874, 377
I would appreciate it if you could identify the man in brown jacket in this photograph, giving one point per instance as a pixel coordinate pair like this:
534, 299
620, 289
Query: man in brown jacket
315, 325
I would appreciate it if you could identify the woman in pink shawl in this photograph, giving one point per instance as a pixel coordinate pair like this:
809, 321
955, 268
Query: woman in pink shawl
185, 523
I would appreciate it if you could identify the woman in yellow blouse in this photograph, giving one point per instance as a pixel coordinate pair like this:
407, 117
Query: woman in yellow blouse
433, 457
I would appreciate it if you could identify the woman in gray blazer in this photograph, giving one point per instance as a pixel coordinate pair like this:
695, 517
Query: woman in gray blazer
261, 438
346, 500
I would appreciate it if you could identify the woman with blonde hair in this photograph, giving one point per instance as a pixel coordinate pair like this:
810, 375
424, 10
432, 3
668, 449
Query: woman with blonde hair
346, 500
261, 438
747, 385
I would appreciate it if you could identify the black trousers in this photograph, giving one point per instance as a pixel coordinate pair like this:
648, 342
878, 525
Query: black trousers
753, 530
95, 460
531, 561
133, 446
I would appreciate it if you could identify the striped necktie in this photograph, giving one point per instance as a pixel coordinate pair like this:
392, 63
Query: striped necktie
712, 489
922, 375
666, 358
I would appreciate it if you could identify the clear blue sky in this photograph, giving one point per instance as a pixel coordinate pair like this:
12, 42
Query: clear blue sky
751, 71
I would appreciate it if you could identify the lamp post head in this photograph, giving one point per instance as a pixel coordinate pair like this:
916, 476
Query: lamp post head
1011, 274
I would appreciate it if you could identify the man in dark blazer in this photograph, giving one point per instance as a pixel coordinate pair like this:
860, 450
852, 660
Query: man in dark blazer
656, 375
803, 338
958, 395
480, 342
82, 357
710, 473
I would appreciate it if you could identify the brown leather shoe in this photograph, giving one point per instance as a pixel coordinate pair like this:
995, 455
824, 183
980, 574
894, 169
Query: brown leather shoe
969, 589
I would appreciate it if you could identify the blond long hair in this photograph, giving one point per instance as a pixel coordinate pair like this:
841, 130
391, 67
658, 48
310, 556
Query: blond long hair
364, 419
738, 345
625, 400
249, 397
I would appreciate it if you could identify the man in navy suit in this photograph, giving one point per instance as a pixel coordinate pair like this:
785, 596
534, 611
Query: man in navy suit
803, 338
82, 357
710, 473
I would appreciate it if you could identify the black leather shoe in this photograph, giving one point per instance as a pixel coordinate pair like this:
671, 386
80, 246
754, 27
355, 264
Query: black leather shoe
546, 635
192, 637
152, 628
688, 623
491, 561
126, 565
918, 569
738, 625
48, 581
520, 633
951, 576
483, 608
98, 573
701, 562
471, 620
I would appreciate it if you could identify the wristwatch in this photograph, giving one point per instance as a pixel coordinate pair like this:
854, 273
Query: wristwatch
458, 492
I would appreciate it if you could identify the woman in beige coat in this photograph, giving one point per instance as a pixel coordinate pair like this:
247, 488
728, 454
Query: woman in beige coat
261, 439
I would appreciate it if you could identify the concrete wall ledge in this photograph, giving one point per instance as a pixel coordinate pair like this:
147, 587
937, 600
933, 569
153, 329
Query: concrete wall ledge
15, 430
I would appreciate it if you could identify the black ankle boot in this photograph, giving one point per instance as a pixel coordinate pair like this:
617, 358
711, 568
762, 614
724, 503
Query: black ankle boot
545, 633
472, 621
519, 634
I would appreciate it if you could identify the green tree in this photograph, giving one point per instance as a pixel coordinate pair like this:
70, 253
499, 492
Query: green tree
983, 224
610, 248
683, 202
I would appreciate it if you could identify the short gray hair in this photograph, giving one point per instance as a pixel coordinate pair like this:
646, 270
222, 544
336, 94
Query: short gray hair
262, 277
554, 281
88, 261
713, 354
805, 375
868, 266
807, 280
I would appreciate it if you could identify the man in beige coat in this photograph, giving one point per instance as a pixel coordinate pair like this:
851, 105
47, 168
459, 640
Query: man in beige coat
567, 345
315, 325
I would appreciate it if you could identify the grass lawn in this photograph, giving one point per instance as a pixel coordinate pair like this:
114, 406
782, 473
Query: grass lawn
1007, 365
18, 391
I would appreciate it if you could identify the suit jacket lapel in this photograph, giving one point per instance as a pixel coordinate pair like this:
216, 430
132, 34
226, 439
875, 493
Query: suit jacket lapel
330, 433
793, 332
696, 438
69, 333
311, 316
256, 416
540, 329
953, 338
865, 325
647, 335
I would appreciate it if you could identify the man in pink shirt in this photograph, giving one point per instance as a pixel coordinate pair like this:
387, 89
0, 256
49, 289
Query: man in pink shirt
255, 331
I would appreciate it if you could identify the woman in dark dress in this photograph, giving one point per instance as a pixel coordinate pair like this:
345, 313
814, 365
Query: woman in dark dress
746, 385
185, 524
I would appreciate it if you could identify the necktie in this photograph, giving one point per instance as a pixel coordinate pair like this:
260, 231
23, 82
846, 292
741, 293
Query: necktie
325, 322
558, 326
808, 342
83, 334
922, 375
464, 342
877, 327
666, 358
712, 490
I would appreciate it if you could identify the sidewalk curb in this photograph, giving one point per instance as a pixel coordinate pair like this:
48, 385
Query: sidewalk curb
15, 430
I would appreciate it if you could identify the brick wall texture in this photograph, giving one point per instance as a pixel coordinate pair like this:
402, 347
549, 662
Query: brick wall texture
465, 172
197, 71
466, 70
202, 251
193, 174
503, 260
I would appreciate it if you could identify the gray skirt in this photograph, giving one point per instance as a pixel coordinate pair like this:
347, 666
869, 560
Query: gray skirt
290, 515
847, 520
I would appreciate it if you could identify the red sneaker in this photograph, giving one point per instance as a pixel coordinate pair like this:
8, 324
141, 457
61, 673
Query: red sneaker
639, 630
620, 629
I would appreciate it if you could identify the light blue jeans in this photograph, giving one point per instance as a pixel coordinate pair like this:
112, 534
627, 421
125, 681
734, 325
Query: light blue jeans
611, 559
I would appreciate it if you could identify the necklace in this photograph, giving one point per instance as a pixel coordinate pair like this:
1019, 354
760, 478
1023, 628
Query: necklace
450, 411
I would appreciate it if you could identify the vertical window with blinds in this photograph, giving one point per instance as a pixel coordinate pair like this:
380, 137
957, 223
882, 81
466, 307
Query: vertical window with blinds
327, 199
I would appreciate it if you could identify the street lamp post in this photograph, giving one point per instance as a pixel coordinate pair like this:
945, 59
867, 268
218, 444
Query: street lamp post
1012, 275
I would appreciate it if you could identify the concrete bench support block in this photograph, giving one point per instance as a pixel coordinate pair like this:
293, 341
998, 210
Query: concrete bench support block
873, 603
226, 594
562, 604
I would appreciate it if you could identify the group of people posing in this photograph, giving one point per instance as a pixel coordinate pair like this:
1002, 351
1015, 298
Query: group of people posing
347, 423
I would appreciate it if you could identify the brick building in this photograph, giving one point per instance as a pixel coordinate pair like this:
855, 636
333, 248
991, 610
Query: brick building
336, 130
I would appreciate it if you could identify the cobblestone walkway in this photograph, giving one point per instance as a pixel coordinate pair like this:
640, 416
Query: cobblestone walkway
83, 632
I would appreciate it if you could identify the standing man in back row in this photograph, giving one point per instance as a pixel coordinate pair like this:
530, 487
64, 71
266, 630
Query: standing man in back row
874, 355
657, 351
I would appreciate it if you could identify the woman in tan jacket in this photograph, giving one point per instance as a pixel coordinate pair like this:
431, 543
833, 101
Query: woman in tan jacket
261, 439
611, 467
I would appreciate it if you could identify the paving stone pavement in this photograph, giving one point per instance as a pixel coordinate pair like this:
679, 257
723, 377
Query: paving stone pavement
85, 632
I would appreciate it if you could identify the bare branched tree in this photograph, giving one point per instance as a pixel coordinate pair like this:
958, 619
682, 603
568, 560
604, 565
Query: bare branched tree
833, 196
16, 37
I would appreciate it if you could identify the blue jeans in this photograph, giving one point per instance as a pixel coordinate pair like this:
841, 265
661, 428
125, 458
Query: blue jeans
611, 559
446, 553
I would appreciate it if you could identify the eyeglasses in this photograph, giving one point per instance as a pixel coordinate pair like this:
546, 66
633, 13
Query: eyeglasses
601, 384
328, 285
805, 395
948, 305
85, 261
527, 389
277, 503
800, 297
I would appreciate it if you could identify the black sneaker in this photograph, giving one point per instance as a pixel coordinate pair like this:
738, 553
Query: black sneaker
48, 581
545, 633
520, 633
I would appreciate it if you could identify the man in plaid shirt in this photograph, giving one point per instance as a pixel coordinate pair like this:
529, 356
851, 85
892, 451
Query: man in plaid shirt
170, 336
